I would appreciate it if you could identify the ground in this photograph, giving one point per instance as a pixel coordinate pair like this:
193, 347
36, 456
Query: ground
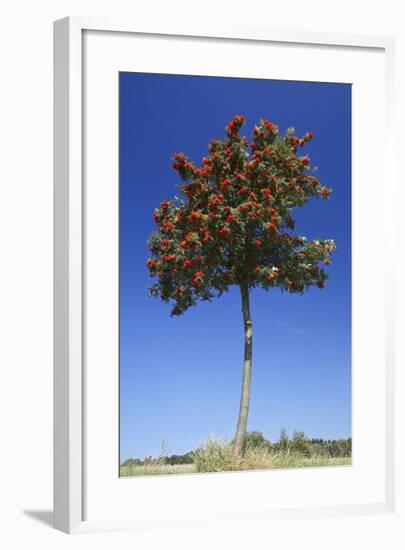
275, 463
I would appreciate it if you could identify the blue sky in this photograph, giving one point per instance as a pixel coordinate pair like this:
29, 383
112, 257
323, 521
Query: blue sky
180, 377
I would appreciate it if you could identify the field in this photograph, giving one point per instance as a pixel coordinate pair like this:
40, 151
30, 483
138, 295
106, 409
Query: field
216, 455
156, 469
279, 463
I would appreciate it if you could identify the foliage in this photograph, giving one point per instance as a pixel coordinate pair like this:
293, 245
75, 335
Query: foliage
256, 440
232, 224
258, 460
300, 444
217, 455
283, 442
180, 459
332, 448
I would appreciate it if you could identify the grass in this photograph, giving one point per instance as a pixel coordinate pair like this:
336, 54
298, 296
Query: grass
216, 455
310, 462
156, 469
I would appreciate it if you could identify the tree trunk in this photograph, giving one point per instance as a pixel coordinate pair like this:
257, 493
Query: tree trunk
240, 435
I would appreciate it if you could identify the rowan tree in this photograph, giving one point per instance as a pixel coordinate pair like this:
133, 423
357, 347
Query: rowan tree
233, 225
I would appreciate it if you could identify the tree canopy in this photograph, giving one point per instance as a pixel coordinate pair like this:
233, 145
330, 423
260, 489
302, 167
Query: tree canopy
233, 222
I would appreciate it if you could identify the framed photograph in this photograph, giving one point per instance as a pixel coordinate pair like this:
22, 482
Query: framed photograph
224, 308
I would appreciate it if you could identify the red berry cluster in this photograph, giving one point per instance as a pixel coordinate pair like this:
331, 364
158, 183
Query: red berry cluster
231, 226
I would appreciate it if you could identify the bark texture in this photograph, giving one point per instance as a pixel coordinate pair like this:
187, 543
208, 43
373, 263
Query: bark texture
240, 435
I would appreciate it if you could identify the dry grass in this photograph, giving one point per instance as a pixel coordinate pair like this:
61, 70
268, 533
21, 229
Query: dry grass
249, 464
257, 458
216, 455
219, 456
293, 461
157, 469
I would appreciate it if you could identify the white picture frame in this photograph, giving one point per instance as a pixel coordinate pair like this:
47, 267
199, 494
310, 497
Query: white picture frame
71, 434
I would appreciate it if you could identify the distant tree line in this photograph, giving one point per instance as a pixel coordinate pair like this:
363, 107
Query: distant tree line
299, 444
187, 458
